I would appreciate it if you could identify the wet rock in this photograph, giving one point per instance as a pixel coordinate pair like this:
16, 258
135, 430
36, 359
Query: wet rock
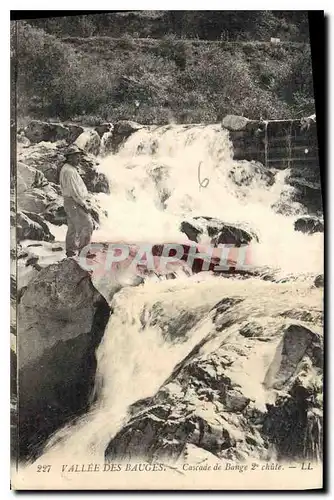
31, 226
309, 225
89, 141
122, 130
166, 426
65, 317
224, 305
173, 329
319, 281
218, 231
233, 235
190, 231
160, 176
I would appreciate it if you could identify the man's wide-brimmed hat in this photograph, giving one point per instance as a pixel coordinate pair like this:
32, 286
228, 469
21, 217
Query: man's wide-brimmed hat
73, 150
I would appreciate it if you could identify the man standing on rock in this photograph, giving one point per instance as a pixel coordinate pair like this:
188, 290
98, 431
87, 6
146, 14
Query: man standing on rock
79, 222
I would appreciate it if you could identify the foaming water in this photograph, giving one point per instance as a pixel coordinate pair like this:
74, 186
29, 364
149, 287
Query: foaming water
135, 356
154, 185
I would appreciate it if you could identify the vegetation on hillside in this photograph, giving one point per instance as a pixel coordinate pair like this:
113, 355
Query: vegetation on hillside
94, 78
204, 25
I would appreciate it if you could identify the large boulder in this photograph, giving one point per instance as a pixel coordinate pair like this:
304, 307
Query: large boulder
61, 320
294, 422
89, 141
38, 131
235, 122
309, 225
31, 226
28, 177
34, 191
36, 200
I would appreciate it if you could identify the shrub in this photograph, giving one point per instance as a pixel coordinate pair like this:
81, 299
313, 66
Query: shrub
170, 77
172, 48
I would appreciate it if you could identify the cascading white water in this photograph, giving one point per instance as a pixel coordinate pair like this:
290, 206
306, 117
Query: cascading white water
159, 161
154, 186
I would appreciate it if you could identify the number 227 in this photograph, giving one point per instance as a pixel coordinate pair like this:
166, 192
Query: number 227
43, 468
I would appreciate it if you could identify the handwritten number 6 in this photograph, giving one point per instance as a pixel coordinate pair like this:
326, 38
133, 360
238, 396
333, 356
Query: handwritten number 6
204, 183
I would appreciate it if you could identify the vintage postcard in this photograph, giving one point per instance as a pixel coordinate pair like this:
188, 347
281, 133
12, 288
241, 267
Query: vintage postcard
167, 242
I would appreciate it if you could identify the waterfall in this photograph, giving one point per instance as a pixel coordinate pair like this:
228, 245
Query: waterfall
154, 186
